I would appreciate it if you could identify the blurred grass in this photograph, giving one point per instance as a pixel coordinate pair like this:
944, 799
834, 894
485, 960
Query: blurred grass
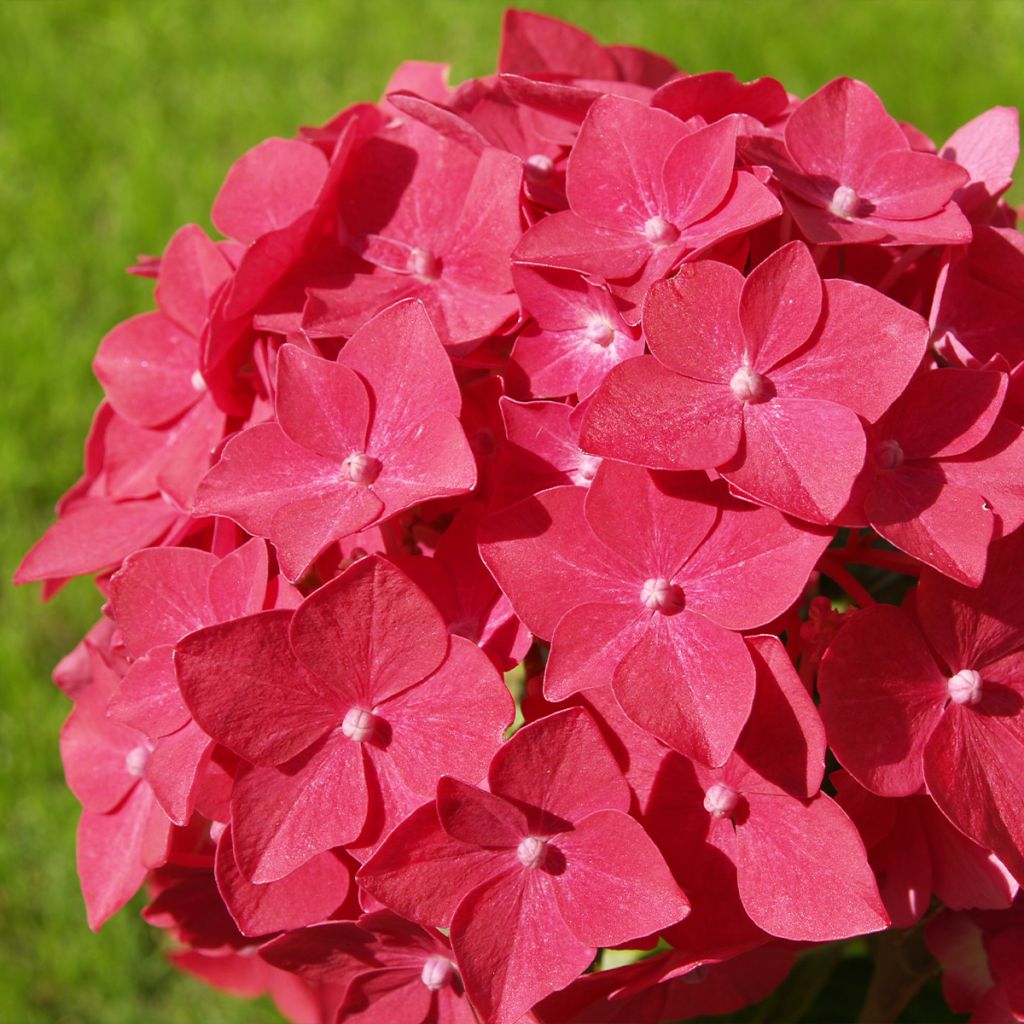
117, 124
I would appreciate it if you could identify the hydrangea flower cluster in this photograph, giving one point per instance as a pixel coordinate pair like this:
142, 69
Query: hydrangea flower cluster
692, 406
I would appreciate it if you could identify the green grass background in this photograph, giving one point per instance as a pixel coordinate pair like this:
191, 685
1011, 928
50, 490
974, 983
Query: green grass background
117, 123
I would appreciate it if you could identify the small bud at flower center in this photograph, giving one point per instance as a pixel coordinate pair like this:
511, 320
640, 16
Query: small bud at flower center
135, 761
889, 455
748, 385
538, 168
424, 264
436, 972
198, 381
661, 595
845, 202
532, 852
587, 469
360, 468
600, 332
720, 801
359, 724
965, 687
659, 231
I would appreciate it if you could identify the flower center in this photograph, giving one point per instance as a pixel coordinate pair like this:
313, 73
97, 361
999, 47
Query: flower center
720, 801
422, 263
532, 852
845, 202
659, 231
359, 724
538, 168
888, 455
198, 381
135, 761
662, 595
360, 468
600, 332
586, 469
748, 385
965, 687
436, 972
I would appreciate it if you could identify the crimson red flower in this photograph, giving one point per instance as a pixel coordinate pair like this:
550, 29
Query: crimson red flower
547, 863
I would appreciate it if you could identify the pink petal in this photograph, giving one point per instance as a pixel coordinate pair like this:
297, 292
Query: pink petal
321, 405
970, 767
192, 269
96, 534
692, 322
889, 340
784, 740
110, 853
909, 186
269, 188
283, 817
308, 895
616, 885
565, 240
479, 818
945, 412
238, 583
369, 634
547, 560
882, 695
512, 946
432, 460
839, 131
145, 365
247, 690
149, 699
946, 527
465, 688
337, 952
588, 644
746, 205
534, 43
691, 683
397, 996
174, 767
161, 594
667, 519
651, 416
699, 172
753, 565
803, 872
560, 766
398, 354
780, 305
614, 177
422, 873
783, 460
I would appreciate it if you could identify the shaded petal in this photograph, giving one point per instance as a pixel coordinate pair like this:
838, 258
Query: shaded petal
799, 455
561, 766
283, 817
247, 690
691, 683
882, 694
479, 818
369, 634
651, 416
616, 885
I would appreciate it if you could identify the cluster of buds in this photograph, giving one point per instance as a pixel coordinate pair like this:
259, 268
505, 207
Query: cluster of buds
692, 407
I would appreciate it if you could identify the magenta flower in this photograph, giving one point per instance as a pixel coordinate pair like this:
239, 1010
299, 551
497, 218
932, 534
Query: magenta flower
652, 610
855, 178
354, 441
751, 377
935, 700
544, 867
335, 708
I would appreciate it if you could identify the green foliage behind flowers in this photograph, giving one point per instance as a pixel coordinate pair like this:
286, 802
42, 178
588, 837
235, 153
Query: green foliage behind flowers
117, 123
